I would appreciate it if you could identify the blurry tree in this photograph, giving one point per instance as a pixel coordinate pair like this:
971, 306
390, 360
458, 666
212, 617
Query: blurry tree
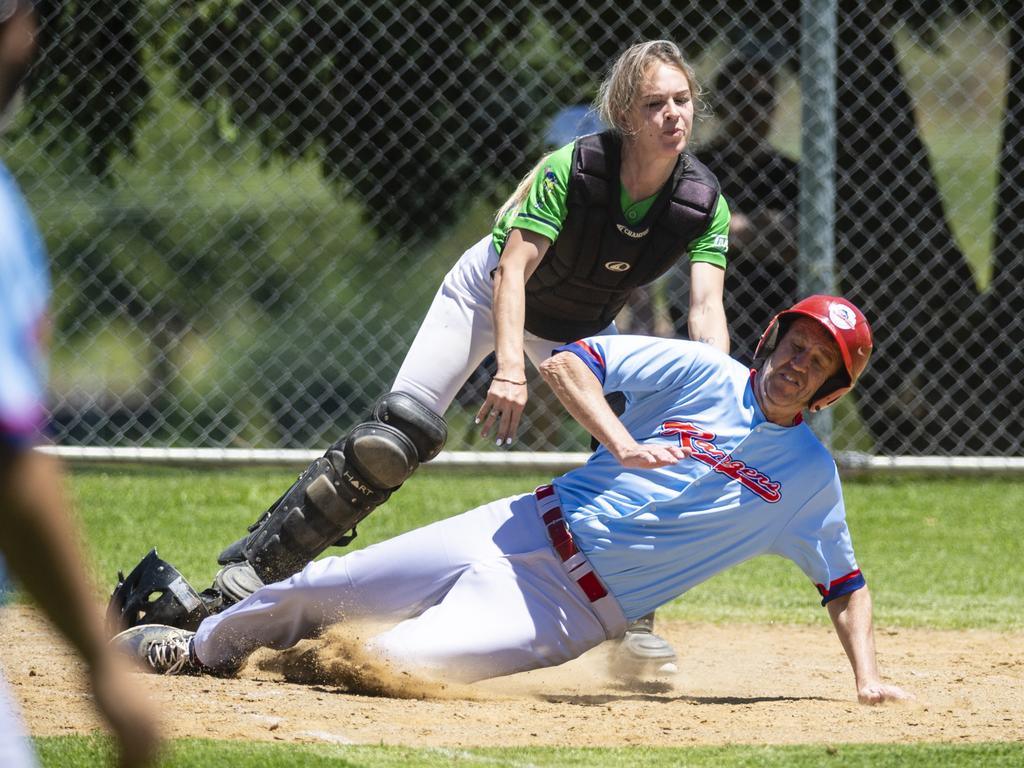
416, 105
896, 252
167, 276
88, 78
407, 101
1000, 335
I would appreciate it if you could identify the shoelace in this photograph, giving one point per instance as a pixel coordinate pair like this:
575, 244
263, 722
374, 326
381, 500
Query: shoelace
169, 657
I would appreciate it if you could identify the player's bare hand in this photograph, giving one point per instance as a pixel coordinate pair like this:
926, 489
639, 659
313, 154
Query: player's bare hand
650, 455
128, 714
880, 693
502, 409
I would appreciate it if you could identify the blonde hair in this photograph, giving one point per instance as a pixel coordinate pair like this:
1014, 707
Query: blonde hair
619, 89
615, 97
521, 192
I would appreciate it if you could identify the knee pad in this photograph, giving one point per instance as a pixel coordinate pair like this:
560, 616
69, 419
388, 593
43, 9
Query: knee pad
236, 581
381, 454
422, 426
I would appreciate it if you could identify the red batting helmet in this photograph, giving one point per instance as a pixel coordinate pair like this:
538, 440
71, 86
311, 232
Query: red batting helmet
846, 324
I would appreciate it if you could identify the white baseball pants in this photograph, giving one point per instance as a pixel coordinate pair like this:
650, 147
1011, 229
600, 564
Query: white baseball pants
458, 332
478, 595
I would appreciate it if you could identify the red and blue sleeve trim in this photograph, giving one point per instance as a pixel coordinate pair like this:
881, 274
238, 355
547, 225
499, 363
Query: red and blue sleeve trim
589, 355
844, 585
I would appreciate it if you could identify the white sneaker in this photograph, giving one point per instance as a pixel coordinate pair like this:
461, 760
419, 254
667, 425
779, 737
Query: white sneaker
160, 649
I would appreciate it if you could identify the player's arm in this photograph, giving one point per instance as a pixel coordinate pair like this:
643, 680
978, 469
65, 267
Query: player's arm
507, 394
706, 320
39, 546
852, 617
532, 226
582, 395
818, 540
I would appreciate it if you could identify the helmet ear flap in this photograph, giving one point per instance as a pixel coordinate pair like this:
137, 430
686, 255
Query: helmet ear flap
838, 381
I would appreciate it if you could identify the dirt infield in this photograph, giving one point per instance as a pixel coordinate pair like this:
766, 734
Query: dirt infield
737, 684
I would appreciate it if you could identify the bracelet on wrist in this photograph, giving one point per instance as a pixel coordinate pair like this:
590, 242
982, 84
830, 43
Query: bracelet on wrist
509, 381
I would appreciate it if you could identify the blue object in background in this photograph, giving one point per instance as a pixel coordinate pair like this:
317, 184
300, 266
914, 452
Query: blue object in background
572, 122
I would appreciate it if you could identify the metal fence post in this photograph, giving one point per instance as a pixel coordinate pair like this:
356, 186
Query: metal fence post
816, 256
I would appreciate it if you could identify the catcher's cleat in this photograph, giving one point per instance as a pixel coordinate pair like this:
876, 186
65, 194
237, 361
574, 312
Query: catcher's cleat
641, 653
160, 649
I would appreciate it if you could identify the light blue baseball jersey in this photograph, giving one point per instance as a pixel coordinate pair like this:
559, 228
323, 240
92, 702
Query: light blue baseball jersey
24, 292
750, 487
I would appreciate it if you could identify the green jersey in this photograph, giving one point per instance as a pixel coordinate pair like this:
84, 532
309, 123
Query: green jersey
544, 211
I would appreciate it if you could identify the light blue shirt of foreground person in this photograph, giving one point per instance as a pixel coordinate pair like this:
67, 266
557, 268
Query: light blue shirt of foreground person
750, 487
24, 293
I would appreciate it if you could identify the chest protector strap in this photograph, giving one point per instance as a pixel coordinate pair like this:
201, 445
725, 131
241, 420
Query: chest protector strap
599, 257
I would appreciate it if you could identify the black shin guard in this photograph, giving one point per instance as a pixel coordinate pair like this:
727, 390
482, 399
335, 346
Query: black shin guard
355, 476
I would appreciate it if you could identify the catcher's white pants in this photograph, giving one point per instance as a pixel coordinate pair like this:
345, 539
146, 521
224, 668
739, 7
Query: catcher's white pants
15, 748
458, 332
478, 595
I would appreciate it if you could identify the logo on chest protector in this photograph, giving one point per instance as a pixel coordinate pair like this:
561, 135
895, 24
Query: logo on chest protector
632, 232
617, 266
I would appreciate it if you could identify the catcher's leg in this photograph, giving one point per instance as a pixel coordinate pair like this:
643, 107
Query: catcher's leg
456, 334
354, 477
322, 508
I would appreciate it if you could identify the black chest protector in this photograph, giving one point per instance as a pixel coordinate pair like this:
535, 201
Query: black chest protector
587, 274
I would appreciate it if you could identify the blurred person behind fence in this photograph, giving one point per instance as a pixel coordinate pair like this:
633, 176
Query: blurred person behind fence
761, 186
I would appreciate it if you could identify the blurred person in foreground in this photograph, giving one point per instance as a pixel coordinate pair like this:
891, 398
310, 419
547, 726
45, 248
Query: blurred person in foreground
37, 540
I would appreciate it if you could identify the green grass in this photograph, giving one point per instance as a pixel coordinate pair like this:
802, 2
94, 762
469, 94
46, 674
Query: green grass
936, 552
191, 515
66, 751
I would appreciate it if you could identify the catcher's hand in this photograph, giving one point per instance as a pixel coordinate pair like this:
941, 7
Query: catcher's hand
502, 409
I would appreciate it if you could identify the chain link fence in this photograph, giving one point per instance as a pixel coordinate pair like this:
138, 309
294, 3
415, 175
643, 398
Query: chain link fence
250, 203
